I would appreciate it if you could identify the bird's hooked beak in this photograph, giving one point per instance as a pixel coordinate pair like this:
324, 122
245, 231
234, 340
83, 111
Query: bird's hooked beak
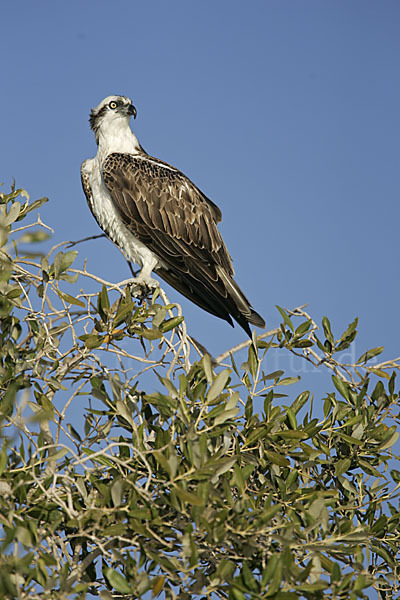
132, 111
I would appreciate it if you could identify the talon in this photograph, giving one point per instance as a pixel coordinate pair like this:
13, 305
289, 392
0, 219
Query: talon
141, 288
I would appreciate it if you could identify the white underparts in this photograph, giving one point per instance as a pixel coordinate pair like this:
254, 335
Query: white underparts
115, 135
110, 221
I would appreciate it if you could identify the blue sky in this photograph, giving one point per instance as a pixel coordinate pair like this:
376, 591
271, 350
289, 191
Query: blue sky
286, 114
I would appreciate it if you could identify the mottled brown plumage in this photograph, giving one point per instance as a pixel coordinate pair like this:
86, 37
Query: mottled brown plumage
173, 218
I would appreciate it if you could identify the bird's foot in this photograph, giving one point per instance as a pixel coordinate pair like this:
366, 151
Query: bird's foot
141, 287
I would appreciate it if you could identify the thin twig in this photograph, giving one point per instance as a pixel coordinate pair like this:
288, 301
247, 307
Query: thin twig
71, 244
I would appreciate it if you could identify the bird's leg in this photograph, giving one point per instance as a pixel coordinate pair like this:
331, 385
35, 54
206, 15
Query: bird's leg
144, 284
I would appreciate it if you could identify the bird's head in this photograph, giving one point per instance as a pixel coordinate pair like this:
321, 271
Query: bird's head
112, 112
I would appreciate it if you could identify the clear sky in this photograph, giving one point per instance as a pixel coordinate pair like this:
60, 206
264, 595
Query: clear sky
285, 113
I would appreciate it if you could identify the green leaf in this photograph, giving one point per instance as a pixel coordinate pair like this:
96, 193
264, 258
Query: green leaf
391, 382
368, 468
23, 535
252, 361
342, 466
303, 327
274, 375
73, 432
370, 354
157, 585
270, 569
218, 385
188, 497
390, 442
12, 214
34, 237
123, 311
91, 340
256, 435
378, 372
116, 492
290, 435
30, 207
383, 553
303, 344
313, 587
277, 459
207, 366
291, 418
276, 579
269, 513
103, 303
15, 292
59, 454
148, 334
349, 331
336, 573
285, 317
141, 513
226, 415
320, 344
171, 324
117, 581
159, 316
288, 380
341, 386
62, 261
70, 299
3, 459
327, 330
237, 594
300, 401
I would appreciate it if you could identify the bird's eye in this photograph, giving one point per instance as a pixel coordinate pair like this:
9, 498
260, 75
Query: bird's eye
113, 104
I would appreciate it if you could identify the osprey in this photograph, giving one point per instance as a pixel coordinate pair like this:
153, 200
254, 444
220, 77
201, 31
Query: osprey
158, 218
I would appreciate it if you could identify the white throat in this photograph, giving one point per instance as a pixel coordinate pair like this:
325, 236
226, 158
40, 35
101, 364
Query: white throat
115, 135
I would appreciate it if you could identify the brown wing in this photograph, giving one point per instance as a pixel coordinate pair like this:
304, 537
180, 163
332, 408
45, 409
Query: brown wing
165, 210
177, 222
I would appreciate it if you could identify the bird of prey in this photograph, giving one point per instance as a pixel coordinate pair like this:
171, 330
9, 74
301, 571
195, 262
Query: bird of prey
158, 218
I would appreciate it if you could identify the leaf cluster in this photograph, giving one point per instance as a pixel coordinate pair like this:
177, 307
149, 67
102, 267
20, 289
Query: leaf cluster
128, 466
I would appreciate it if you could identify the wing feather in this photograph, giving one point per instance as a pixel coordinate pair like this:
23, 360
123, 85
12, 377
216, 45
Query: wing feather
158, 202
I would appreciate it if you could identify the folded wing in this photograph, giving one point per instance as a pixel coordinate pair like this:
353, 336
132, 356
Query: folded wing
177, 222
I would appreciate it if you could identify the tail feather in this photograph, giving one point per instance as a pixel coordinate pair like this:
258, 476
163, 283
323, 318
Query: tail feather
221, 297
246, 313
256, 319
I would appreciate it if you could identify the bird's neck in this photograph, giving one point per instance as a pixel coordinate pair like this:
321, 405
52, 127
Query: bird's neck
117, 138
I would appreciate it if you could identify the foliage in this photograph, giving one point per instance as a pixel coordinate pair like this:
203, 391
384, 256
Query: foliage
218, 485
